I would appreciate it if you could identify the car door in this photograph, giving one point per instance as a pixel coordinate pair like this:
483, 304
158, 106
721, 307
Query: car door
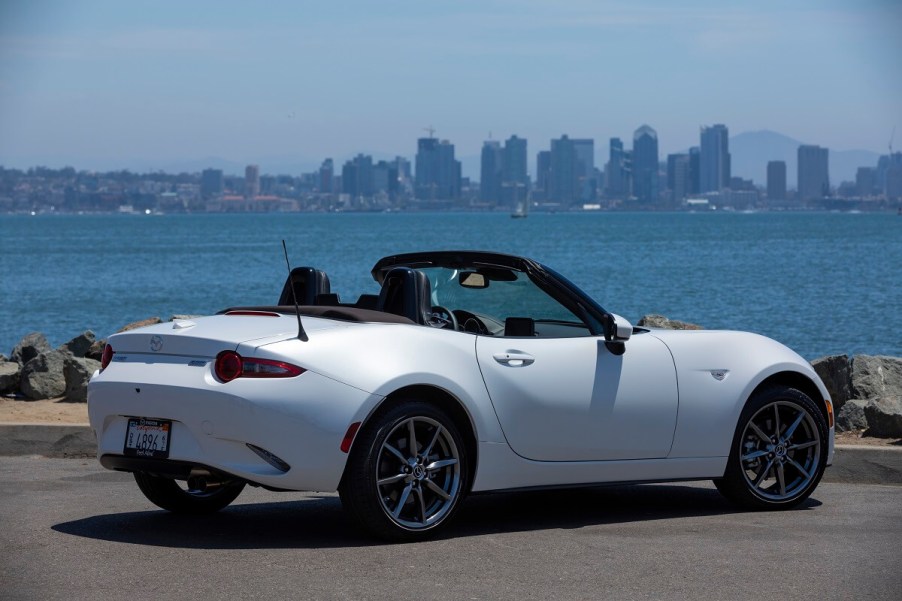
570, 399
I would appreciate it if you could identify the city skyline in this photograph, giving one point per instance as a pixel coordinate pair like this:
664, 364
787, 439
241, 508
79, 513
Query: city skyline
107, 85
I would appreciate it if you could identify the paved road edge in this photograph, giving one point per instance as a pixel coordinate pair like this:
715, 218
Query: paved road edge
858, 464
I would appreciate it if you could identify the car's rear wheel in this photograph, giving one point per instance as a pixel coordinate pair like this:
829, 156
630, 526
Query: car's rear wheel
407, 473
779, 451
173, 496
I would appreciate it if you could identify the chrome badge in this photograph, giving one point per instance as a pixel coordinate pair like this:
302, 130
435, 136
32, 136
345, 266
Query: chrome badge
156, 343
719, 374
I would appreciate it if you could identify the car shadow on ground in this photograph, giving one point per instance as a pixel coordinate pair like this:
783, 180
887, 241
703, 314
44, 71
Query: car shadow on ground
317, 521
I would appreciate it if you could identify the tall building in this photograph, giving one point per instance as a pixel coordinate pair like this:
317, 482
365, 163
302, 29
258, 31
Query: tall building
892, 180
543, 173
357, 177
585, 169
514, 173
490, 172
618, 171
865, 181
645, 164
813, 175
776, 180
695, 170
714, 164
251, 181
385, 178
437, 171
678, 176
211, 183
326, 175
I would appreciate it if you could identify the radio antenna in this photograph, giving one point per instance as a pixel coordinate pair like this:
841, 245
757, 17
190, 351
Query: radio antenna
302, 335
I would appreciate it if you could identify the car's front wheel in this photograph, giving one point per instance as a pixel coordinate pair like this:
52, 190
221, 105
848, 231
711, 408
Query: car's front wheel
169, 494
779, 451
407, 473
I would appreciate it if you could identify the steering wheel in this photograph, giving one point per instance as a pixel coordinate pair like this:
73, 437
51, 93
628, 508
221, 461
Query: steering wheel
444, 318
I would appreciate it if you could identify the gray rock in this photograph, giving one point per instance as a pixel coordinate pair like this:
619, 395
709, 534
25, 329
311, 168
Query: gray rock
78, 370
3, 358
876, 377
96, 350
80, 345
30, 347
9, 376
836, 372
43, 376
851, 416
659, 321
140, 324
884, 417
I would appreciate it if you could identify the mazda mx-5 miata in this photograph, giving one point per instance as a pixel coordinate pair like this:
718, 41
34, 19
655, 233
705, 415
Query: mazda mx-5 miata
467, 372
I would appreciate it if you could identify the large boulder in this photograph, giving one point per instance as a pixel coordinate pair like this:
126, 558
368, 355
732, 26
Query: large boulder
96, 350
140, 324
851, 416
876, 377
884, 417
78, 371
80, 345
43, 377
836, 373
659, 321
9, 376
30, 347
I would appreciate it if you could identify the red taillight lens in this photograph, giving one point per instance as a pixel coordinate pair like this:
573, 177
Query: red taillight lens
106, 357
230, 365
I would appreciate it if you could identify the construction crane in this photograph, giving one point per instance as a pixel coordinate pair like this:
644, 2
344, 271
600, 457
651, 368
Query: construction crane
431, 131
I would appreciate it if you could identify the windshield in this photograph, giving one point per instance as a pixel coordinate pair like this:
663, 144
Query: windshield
502, 293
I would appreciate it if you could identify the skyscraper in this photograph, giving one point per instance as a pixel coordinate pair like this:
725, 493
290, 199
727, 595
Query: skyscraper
543, 173
437, 171
813, 174
326, 173
645, 164
617, 171
251, 181
357, 177
211, 183
776, 180
514, 175
490, 172
678, 176
714, 161
695, 170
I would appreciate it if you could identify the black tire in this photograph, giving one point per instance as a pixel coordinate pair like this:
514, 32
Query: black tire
779, 451
167, 494
397, 495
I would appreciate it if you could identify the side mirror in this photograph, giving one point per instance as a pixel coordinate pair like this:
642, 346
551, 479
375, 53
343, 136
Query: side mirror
622, 328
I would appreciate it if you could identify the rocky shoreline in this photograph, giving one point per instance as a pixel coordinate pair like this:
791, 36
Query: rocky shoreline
866, 389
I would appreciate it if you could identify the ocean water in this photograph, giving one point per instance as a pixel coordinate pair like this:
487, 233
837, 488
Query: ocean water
822, 283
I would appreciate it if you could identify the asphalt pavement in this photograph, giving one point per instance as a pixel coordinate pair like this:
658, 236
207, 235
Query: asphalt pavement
71, 530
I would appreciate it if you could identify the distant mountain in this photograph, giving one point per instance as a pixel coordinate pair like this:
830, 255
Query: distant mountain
751, 151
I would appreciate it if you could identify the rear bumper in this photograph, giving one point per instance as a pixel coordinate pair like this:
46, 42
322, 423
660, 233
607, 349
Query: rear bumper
300, 420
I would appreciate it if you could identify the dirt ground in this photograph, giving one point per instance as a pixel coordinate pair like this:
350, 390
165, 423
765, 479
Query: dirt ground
56, 411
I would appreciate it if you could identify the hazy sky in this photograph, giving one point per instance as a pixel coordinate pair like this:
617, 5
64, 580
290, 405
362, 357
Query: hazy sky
116, 84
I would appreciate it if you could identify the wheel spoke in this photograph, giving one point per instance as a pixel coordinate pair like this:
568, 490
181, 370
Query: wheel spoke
437, 489
404, 494
428, 451
801, 445
391, 479
763, 473
754, 455
801, 469
791, 429
413, 438
781, 478
437, 465
776, 420
419, 492
758, 431
395, 452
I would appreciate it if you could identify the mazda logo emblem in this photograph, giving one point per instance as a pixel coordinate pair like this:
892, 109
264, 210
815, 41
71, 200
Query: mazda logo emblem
156, 343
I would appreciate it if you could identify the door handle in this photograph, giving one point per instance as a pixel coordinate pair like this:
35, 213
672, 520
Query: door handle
514, 359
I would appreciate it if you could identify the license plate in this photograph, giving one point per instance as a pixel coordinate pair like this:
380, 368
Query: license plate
147, 438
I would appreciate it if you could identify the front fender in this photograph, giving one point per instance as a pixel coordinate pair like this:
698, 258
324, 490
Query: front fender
717, 372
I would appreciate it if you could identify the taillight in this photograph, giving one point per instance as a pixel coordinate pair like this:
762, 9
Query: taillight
230, 365
106, 357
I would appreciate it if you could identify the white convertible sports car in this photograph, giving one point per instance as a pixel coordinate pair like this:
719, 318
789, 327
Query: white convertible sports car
468, 372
